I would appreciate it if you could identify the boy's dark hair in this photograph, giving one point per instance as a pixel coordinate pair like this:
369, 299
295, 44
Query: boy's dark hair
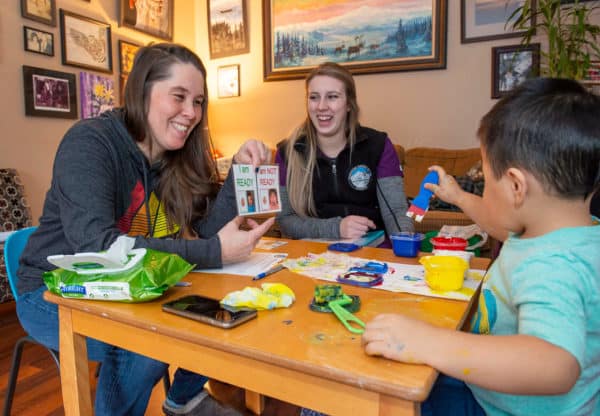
550, 128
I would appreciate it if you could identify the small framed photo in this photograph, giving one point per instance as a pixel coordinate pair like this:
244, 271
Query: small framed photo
49, 93
38, 41
487, 20
591, 80
511, 65
43, 11
96, 95
593, 73
127, 52
227, 28
228, 80
153, 17
86, 42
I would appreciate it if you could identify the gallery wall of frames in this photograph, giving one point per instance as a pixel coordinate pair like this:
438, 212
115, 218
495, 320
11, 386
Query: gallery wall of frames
85, 42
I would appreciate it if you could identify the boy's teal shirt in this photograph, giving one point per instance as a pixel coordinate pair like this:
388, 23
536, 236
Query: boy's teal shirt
547, 287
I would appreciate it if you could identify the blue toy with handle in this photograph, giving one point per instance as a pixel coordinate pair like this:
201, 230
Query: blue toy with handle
420, 204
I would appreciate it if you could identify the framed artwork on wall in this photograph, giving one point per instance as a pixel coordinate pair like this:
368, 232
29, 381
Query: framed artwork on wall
592, 79
228, 80
127, 51
86, 42
38, 41
153, 17
43, 11
227, 28
486, 20
364, 36
49, 93
96, 94
512, 65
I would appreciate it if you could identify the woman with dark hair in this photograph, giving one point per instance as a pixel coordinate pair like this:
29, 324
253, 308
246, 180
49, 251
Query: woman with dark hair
145, 170
338, 179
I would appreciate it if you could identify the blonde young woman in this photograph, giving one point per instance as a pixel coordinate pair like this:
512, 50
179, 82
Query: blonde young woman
338, 179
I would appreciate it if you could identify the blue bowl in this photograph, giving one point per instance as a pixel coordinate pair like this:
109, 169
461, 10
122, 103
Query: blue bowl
406, 244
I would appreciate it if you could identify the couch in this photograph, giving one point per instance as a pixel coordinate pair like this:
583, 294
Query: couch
14, 214
415, 163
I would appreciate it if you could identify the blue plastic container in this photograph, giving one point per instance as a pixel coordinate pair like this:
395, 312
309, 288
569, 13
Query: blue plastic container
406, 244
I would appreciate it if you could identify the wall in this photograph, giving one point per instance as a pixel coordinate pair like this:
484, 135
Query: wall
421, 108
424, 108
29, 143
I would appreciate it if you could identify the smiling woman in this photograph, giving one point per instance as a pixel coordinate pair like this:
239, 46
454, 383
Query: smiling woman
338, 179
144, 170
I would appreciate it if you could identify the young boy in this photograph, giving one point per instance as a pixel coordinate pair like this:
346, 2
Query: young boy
535, 349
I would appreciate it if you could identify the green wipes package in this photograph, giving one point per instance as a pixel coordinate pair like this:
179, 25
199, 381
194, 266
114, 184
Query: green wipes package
141, 275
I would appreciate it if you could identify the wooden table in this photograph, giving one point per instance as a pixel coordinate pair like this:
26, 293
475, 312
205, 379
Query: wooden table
293, 354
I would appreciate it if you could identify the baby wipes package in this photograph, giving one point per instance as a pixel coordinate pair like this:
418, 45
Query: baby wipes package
119, 274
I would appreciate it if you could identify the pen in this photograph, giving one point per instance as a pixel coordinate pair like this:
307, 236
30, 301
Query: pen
268, 272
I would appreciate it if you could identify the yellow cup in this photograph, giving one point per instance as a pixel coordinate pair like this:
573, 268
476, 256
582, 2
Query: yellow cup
444, 273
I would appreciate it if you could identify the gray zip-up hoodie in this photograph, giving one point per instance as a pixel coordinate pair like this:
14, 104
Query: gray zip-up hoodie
98, 177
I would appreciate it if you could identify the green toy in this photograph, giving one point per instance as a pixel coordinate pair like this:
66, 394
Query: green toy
331, 298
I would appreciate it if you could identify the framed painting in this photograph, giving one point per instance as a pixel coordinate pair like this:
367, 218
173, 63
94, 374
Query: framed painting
127, 52
512, 65
38, 41
591, 80
362, 35
96, 94
227, 28
483, 20
49, 93
593, 73
86, 42
228, 81
153, 17
43, 11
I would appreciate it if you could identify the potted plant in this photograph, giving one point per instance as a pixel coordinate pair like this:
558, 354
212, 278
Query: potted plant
571, 40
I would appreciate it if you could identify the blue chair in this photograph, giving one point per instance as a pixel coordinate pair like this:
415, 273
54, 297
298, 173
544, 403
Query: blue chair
13, 247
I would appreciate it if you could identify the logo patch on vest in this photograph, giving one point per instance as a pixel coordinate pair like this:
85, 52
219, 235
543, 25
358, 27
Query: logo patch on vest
359, 177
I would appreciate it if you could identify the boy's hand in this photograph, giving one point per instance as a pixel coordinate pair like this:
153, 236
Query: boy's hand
398, 337
355, 226
253, 152
448, 190
236, 244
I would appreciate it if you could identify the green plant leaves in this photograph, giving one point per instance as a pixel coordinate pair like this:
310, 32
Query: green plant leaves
571, 40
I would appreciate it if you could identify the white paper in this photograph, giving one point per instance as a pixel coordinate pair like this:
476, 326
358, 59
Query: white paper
268, 244
400, 277
253, 265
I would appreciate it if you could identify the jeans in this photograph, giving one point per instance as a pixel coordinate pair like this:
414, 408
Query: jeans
126, 379
450, 396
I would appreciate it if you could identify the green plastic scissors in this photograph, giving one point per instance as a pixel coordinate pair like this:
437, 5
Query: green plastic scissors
347, 318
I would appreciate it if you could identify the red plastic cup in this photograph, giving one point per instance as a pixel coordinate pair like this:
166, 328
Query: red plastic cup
449, 243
